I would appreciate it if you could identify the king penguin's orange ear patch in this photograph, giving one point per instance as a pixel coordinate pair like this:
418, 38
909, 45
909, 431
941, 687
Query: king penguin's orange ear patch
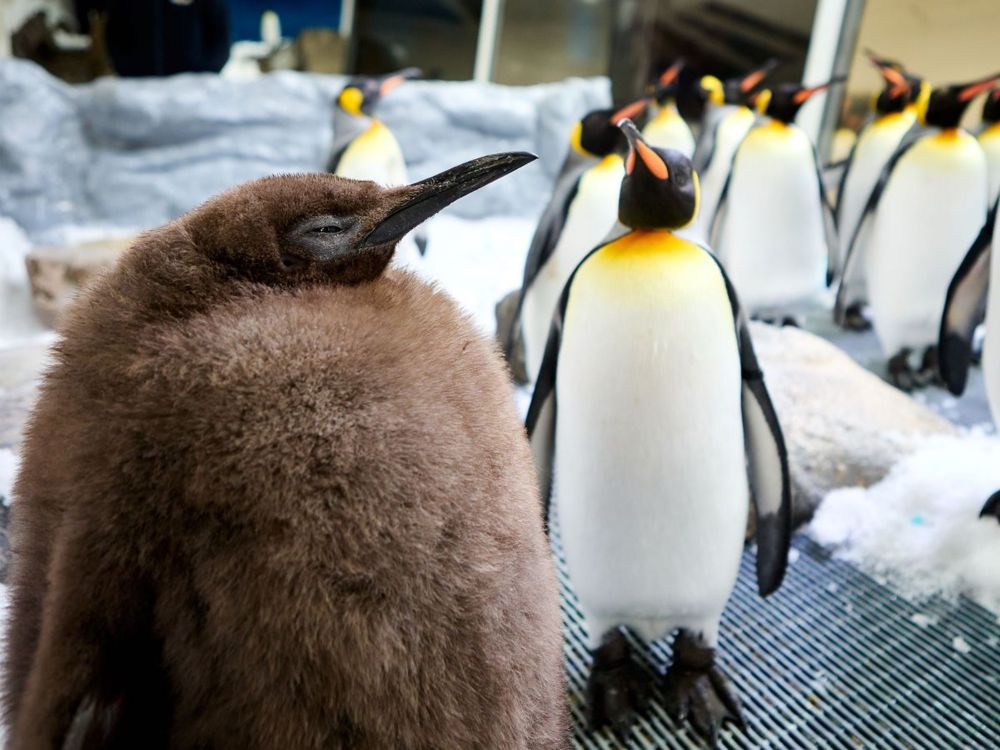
652, 161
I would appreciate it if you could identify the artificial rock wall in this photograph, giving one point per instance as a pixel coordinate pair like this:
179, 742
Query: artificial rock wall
135, 153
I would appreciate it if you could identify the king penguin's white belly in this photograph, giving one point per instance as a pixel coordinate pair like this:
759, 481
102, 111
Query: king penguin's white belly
591, 216
989, 139
876, 145
667, 129
991, 346
773, 239
731, 131
930, 212
650, 478
374, 155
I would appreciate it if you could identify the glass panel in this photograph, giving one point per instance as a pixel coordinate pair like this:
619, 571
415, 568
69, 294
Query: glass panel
551, 40
437, 35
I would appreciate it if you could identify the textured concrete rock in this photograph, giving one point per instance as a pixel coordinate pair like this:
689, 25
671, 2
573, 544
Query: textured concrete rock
58, 272
135, 153
844, 426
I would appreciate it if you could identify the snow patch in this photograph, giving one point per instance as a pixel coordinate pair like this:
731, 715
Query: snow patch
924, 621
919, 528
477, 261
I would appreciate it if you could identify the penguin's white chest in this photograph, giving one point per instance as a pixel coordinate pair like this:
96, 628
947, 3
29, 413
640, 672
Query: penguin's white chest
730, 132
930, 212
649, 472
876, 146
374, 155
667, 129
991, 346
592, 213
773, 239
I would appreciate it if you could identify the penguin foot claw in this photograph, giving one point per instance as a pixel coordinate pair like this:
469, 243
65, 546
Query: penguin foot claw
618, 688
695, 689
992, 507
854, 319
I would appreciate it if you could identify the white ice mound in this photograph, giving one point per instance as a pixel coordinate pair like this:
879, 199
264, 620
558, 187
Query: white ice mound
919, 528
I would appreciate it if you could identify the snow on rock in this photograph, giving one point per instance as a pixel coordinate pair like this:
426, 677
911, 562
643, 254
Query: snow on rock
919, 528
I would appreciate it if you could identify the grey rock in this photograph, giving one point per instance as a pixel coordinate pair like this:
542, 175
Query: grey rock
843, 425
58, 272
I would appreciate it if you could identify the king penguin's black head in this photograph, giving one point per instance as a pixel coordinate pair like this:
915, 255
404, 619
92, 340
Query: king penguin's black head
784, 101
660, 189
991, 107
899, 88
597, 134
739, 90
947, 104
666, 86
360, 95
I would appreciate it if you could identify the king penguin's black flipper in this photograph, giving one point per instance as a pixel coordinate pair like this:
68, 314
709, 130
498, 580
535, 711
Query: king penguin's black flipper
965, 308
546, 235
770, 484
829, 224
540, 422
854, 261
992, 507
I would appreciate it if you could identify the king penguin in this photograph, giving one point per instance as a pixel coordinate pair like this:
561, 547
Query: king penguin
895, 114
974, 296
648, 404
666, 128
275, 496
728, 118
774, 228
580, 214
922, 215
365, 149
989, 139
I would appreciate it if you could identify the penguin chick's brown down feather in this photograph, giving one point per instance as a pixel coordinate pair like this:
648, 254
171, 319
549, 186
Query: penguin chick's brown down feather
269, 501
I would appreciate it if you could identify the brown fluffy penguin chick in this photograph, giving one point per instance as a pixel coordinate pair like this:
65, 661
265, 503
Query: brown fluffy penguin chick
275, 495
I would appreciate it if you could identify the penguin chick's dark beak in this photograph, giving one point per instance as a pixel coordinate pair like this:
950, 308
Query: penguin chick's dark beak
423, 199
638, 148
394, 79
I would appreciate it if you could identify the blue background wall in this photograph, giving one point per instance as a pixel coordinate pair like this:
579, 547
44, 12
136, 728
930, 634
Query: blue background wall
244, 16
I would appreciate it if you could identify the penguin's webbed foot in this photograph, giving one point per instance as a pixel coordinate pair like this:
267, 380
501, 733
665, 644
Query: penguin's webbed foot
694, 688
992, 507
618, 688
901, 374
930, 371
854, 318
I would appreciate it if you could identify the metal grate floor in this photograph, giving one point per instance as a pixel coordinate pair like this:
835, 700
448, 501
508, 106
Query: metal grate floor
832, 660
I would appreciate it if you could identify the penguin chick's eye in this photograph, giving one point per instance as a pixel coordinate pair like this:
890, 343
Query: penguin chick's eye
327, 229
